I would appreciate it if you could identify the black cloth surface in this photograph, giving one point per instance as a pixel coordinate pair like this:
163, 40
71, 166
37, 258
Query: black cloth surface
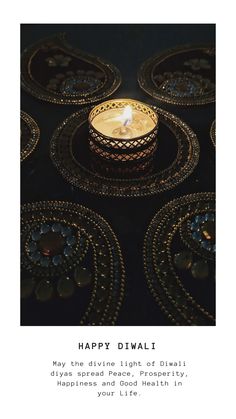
126, 46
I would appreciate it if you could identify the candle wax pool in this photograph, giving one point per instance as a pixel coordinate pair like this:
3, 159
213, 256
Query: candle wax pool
111, 124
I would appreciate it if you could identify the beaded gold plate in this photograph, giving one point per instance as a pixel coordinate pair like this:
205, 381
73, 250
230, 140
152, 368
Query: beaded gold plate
179, 251
180, 76
72, 266
29, 135
54, 71
175, 159
213, 132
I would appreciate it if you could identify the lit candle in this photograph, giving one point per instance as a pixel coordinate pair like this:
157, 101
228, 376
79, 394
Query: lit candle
123, 130
123, 123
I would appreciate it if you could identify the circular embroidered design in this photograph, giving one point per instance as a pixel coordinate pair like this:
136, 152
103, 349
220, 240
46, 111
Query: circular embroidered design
54, 71
69, 145
65, 249
198, 233
180, 76
74, 85
181, 282
184, 85
29, 135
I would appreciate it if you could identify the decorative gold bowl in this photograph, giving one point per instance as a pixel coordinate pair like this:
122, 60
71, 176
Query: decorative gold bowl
117, 138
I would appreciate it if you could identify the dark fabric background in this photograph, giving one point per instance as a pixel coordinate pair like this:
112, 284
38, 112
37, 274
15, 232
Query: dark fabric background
126, 46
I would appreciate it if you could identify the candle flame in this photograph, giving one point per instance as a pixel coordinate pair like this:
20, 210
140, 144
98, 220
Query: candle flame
126, 117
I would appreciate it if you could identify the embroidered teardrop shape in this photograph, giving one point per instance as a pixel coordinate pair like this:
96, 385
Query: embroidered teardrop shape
180, 76
54, 71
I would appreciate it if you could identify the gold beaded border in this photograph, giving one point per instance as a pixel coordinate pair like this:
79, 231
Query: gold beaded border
31, 86
213, 133
161, 278
146, 83
187, 295
35, 135
169, 178
113, 302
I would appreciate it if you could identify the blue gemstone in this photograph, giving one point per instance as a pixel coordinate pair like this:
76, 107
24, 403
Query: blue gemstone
197, 235
71, 240
57, 260
68, 251
35, 235
210, 217
35, 256
44, 228
44, 262
194, 225
56, 227
208, 246
66, 231
199, 218
32, 247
